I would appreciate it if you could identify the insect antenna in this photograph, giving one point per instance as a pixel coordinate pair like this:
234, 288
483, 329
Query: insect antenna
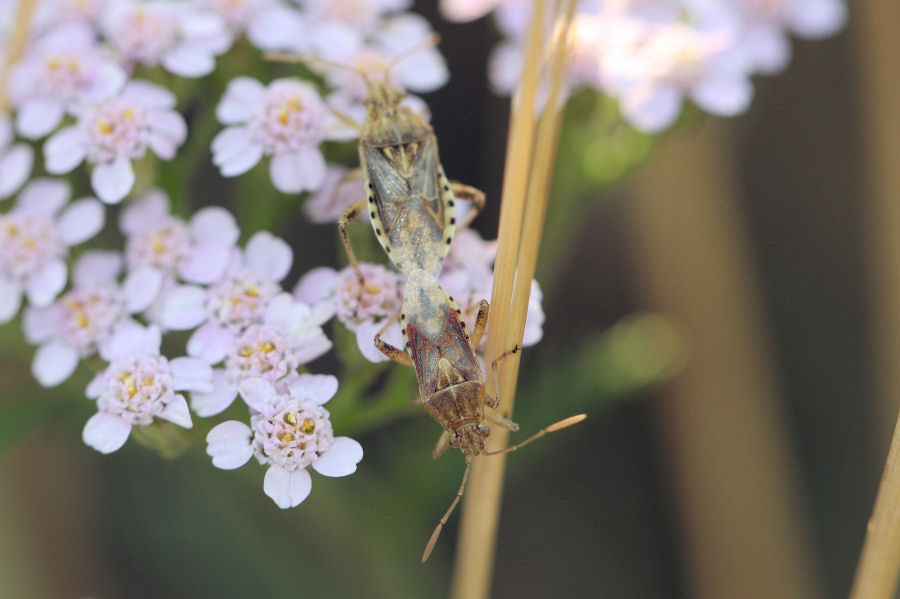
564, 423
446, 516
556, 426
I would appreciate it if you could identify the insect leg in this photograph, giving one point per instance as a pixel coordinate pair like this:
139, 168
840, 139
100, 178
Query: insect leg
469, 194
504, 422
397, 355
441, 446
480, 323
495, 401
348, 216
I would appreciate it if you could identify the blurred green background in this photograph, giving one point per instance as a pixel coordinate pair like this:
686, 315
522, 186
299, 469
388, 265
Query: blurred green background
718, 301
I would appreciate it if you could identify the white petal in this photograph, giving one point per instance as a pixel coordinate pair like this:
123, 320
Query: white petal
314, 387
297, 171
41, 324
214, 225
210, 343
240, 101
726, 95
228, 141
191, 374
105, 433
96, 267
269, 255
316, 285
287, 489
313, 345
149, 94
131, 339
238, 160
141, 288
144, 213
365, 339
340, 459
183, 308
15, 166
64, 151
177, 412
36, 118
230, 445
189, 60
652, 109
10, 299
257, 393
815, 18
44, 195
81, 221
168, 132
53, 363
44, 285
113, 181
206, 263
214, 402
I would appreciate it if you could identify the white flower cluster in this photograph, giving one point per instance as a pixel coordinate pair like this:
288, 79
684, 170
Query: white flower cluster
653, 54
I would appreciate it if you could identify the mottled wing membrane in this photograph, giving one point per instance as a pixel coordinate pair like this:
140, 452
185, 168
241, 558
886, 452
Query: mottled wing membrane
453, 346
414, 216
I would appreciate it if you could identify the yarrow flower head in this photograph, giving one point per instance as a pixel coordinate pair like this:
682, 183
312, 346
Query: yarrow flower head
112, 134
286, 120
80, 321
15, 159
138, 386
288, 336
35, 237
362, 309
65, 70
162, 249
289, 431
179, 36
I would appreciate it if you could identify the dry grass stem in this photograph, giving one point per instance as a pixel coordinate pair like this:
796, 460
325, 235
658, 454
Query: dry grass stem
16, 45
876, 575
531, 152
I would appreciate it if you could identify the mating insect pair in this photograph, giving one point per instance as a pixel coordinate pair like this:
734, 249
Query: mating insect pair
412, 207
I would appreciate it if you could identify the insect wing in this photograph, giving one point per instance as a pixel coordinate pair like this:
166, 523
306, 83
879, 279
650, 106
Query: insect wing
413, 214
453, 346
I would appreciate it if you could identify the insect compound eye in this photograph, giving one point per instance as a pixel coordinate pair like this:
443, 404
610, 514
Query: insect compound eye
484, 430
454, 441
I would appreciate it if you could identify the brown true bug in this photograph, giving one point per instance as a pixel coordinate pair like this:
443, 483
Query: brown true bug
451, 384
410, 201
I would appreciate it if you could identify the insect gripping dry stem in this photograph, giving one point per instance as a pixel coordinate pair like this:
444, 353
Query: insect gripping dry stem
451, 385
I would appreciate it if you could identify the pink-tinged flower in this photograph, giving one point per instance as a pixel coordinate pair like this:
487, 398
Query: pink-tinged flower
762, 26
364, 309
35, 237
64, 70
240, 298
75, 325
673, 61
88, 12
335, 195
286, 120
112, 134
178, 36
161, 249
362, 17
421, 68
289, 431
139, 385
289, 336
15, 160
